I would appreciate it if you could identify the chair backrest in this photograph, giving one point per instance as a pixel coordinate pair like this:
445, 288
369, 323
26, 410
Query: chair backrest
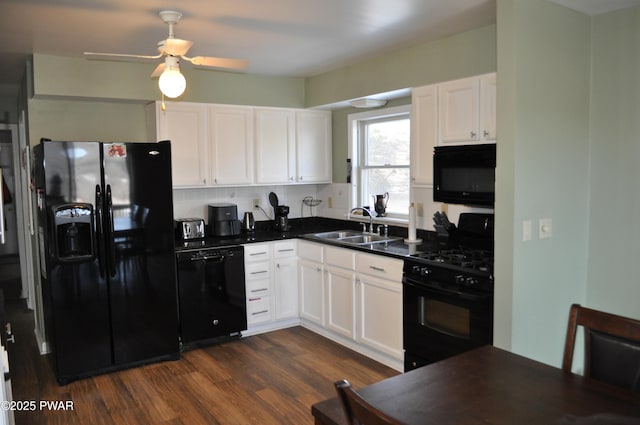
612, 346
358, 410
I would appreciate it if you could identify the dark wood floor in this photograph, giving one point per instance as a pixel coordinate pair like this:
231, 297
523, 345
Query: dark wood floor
272, 378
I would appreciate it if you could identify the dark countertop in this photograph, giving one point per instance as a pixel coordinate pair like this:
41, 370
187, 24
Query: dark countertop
304, 228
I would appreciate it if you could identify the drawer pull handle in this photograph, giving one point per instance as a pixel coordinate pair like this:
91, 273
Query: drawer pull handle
259, 272
257, 253
259, 290
286, 250
259, 312
378, 269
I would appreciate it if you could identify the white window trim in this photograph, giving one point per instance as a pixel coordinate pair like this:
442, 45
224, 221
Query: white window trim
353, 151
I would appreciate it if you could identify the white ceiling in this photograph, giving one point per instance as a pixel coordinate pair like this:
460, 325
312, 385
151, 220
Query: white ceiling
278, 37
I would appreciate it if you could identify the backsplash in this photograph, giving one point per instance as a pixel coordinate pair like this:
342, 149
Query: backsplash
335, 203
193, 202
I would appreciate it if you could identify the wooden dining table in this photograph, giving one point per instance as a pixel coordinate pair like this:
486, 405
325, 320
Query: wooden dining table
491, 386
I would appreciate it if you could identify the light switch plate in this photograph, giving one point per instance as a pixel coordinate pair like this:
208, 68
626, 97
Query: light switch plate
527, 230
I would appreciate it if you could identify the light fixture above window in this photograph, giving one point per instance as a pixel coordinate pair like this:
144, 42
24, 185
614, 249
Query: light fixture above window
172, 83
366, 102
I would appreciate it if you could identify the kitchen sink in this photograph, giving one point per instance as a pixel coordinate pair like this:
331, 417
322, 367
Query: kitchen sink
352, 237
340, 234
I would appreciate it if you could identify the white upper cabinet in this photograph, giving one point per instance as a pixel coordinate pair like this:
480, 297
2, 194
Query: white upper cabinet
275, 130
231, 144
313, 146
184, 124
466, 110
424, 133
243, 145
488, 106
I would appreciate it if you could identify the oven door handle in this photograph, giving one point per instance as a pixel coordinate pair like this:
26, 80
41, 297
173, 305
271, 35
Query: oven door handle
444, 291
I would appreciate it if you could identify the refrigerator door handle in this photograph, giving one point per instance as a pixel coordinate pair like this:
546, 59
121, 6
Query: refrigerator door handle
100, 231
2, 231
111, 235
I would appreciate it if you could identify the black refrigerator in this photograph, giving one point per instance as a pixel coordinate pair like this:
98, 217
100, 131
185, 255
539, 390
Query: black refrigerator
107, 259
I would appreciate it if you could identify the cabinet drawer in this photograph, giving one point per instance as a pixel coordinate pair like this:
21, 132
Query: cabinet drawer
258, 287
261, 270
257, 252
285, 249
258, 310
310, 251
340, 257
380, 266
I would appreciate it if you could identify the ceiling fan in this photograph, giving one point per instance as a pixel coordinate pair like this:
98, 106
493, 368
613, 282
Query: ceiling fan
172, 83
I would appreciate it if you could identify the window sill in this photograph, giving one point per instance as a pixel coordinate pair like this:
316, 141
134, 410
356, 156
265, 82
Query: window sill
404, 222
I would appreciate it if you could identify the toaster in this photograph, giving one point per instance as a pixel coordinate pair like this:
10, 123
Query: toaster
189, 228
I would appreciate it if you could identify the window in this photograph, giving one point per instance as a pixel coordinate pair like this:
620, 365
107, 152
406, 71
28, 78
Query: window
381, 141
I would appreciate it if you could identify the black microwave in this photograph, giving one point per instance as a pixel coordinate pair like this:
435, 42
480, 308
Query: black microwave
465, 174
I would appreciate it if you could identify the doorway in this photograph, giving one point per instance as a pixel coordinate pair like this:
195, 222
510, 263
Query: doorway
10, 279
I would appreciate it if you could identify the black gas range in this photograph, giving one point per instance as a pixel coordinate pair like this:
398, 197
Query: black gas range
448, 294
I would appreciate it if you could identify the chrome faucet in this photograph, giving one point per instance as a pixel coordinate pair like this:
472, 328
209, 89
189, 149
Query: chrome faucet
363, 209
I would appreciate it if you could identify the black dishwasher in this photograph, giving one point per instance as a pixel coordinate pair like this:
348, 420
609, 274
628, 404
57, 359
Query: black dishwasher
212, 294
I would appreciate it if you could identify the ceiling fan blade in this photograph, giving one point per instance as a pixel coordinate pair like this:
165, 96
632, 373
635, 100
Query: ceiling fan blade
224, 63
174, 46
159, 69
120, 57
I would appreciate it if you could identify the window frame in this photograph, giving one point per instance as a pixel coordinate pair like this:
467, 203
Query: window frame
356, 123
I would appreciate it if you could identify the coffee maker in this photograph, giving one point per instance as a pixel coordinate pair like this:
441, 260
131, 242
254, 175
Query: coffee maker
281, 217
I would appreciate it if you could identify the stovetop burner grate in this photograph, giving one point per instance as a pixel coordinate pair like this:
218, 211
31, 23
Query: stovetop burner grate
475, 259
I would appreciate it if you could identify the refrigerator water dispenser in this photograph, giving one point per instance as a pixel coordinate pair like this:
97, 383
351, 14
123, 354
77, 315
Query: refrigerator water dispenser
73, 232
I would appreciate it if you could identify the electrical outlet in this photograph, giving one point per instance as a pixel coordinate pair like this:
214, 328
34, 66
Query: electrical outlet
545, 230
330, 202
256, 204
420, 209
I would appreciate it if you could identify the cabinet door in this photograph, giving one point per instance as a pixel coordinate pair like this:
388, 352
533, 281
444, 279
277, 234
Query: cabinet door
286, 288
231, 144
488, 107
424, 133
380, 315
275, 145
311, 284
341, 301
185, 125
313, 146
459, 111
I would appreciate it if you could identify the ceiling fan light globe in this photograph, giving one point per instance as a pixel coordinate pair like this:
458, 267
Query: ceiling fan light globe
172, 83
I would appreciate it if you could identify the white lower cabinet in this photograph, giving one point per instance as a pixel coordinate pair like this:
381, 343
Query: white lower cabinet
380, 303
341, 291
271, 281
311, 278
380, 315
285, 261
258, 279
353, 298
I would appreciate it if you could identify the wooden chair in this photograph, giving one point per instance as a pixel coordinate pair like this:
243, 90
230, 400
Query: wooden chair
612, 346
359, 411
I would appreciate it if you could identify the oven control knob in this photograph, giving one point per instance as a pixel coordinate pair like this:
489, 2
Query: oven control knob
425, 271
460, 279
471, 281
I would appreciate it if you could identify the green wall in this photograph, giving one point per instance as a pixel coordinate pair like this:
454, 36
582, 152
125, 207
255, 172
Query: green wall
614, 232
462, 55
568, 108
55, 77
86, 120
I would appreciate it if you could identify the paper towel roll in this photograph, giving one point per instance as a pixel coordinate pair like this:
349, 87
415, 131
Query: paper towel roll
412, 222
